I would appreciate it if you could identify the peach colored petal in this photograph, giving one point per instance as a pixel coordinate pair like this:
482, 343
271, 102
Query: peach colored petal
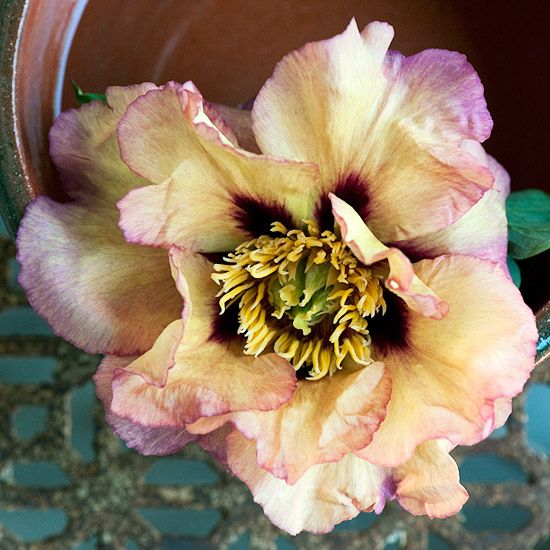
481, 232
503, 409
84, 148
96, 290
201, 179
448, 374
324, 496
167, 388
386, 130
240, 122
323, 421
401, 279
146, 440
191, 273
428, 483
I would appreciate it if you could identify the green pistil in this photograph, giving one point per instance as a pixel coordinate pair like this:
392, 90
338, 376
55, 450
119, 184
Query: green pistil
304, 299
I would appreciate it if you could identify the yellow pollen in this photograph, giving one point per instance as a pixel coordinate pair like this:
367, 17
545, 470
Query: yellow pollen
303, 295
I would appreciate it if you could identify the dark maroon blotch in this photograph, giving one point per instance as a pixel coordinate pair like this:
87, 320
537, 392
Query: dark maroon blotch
352, 189
390, 332
225, 326
256, 216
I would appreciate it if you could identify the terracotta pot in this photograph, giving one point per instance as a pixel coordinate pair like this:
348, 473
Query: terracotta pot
229, 47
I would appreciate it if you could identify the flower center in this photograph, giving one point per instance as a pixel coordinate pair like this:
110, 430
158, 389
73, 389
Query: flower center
303, 295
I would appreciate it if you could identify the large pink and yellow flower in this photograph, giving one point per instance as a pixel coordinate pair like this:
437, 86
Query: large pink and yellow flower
315, 292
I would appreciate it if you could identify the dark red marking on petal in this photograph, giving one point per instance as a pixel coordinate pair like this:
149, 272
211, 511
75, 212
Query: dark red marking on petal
215, 257
390, 332
256, 216
352, 189
225, 326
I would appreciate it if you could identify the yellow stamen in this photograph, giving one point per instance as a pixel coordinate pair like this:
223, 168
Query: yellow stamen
302, 295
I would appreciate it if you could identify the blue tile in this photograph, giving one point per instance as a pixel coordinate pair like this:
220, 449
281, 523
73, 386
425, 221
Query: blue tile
173, 471
32, 524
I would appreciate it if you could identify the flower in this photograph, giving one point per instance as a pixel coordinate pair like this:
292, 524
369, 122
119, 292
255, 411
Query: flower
300, 344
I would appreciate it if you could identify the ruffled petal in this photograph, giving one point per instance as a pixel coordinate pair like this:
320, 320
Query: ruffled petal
175, 387
428, 483
96, 291
323, 421
401, 279
84, 148
192, 273
146, 440
481, 232
240, 123
324, 496
201, 178
385, 129
448, 374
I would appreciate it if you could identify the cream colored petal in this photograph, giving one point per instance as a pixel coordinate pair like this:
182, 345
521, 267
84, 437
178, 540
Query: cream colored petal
96, 290
324, 496
175, 388
210, 196
146, 440
402, 279
449, 375
323, 421
481, 232
428, 483
192, 274
384, 128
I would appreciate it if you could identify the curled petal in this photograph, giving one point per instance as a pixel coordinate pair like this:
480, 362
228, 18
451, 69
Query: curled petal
428, 483
324, 496
401, 279
323, 421
146, 440
167, 388
385, 128
191, 273
481, 232
240, 122
201, 178
448, 375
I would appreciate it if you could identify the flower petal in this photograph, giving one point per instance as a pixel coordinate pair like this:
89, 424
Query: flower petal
146, 440
428, 483
389, 126
240, 122
481, 232
201, 179
448, 374
192, 273
369, 250
323, 421
96, 291
84, 148
324, 496
164, 387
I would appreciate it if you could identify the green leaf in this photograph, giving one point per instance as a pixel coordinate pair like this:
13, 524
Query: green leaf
86, 97
513, 268
528, 214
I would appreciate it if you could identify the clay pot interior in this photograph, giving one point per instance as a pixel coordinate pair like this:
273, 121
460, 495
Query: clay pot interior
229, 48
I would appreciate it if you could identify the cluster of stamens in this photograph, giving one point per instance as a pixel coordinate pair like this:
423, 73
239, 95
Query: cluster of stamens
303, 295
